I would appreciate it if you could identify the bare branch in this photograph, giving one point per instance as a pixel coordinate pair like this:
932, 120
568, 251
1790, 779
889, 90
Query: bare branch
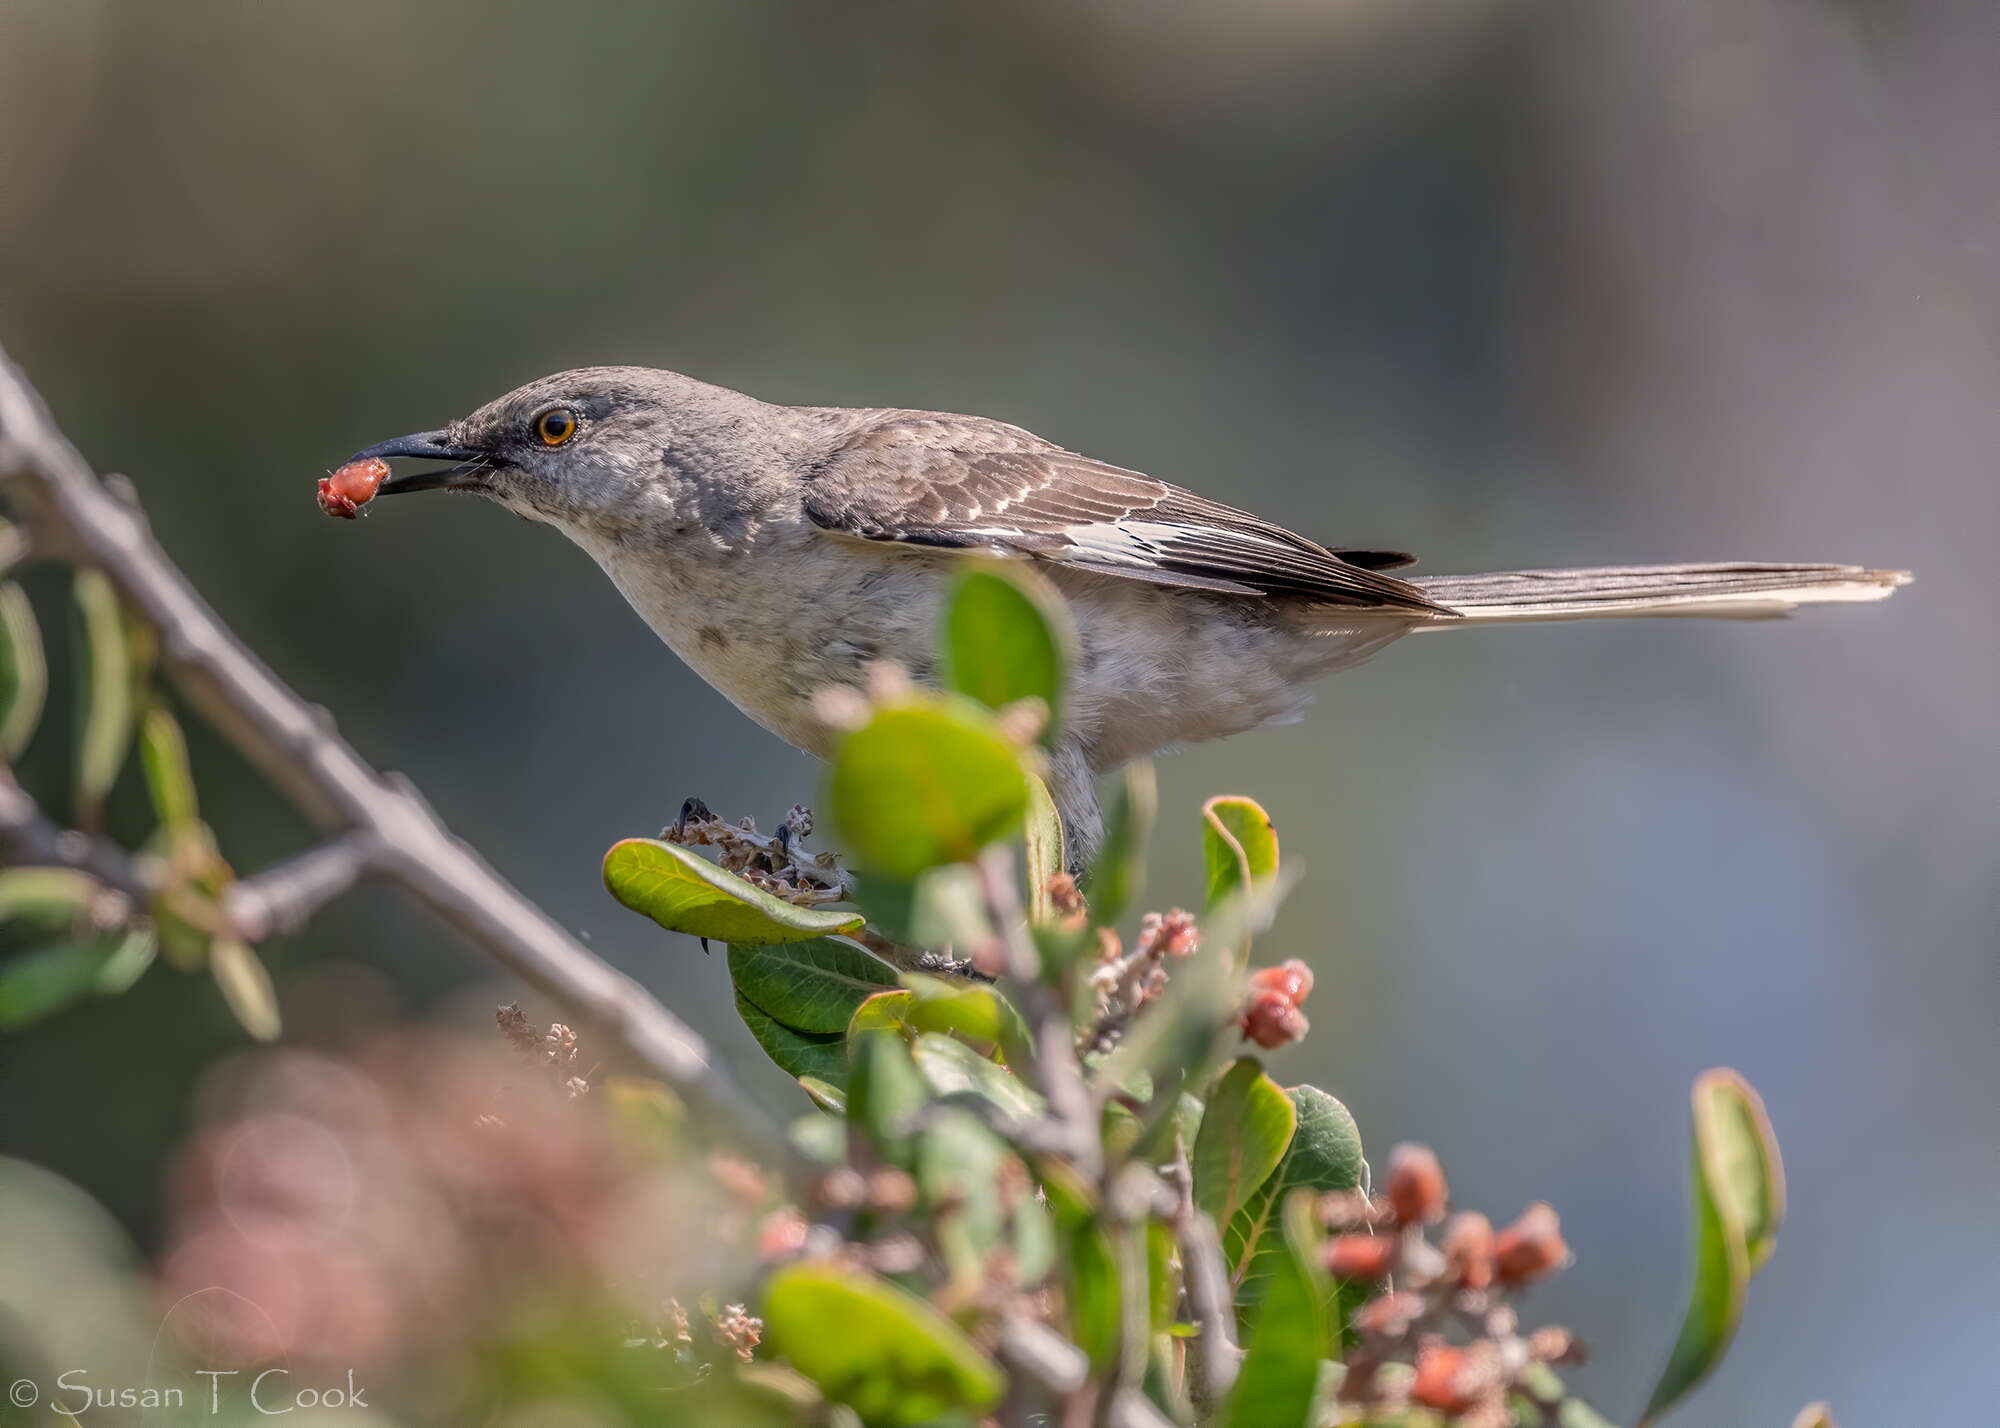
1206, 1276
71, 514
284, 897
29, 839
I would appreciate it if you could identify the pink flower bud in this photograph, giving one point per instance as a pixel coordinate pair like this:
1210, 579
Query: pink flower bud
1416, 1185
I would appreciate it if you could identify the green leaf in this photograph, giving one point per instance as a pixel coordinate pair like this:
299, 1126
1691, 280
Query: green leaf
922, 783
884, 1011
1281, 1362
972, 1011
885, 1353
813, 986
1739, 1198
169, 777
127, 963
684, 892
24, 672
45, 897
1007, 636
1239, 846
885, 1092
106, 697
1119, 874
1091, 1290
1244, 1133
1163, 1280
1324, 1154
827, 1096
797, 1053
1044, 853
953, 1068
958, 1168
42, 982
246, 986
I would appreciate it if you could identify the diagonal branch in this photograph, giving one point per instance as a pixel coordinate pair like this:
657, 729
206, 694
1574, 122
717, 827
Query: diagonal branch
73, 515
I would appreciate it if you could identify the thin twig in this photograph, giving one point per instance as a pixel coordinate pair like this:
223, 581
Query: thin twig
28, 839
284, 897
72, 515
1205, 1274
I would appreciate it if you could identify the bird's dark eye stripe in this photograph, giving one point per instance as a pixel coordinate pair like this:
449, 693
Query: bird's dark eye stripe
555, 426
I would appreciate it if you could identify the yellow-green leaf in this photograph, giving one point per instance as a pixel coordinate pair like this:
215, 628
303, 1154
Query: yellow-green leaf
45, 897
1739, 1198
1245, 1128
1239, 845
684, 892
169, 777
24, 672
1007, 636
922, 783
1044, 849
106, 697
246, 987
882, 1351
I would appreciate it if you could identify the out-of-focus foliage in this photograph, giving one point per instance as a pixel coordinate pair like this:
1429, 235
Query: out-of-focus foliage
1739, 1198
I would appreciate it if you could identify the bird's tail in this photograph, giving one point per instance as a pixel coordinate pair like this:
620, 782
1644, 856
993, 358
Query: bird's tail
1748, 590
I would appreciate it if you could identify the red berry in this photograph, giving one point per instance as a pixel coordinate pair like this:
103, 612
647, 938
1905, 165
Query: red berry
1416, 1185
1468, 1249
1440, 1368
1293, 981
1271, 1020
1360, 1256
1530, 1247
352, 486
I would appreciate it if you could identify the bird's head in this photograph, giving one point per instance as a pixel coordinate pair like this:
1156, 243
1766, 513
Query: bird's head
601, 451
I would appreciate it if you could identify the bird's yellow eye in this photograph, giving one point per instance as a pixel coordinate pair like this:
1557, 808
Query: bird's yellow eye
555, 426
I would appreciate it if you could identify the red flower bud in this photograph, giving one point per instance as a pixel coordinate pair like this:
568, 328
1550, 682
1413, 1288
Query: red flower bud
1440, 1369
1271, 1020
1360, 1256
1468, 1249
1530, 1247
352, 487
1293, 981
1416, 1185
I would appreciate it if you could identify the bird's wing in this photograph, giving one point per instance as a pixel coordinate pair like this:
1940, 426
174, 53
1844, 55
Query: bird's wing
970, 483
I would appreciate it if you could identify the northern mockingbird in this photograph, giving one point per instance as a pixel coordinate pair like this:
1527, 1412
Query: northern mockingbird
778, 550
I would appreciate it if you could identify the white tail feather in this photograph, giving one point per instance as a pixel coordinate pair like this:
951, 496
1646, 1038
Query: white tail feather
1727, 591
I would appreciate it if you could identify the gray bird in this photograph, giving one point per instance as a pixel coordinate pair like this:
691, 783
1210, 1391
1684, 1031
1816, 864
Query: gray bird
778, 550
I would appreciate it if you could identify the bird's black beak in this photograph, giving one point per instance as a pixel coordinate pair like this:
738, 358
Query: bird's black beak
463, 474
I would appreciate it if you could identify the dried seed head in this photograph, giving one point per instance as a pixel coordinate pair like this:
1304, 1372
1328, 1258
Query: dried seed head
1531, 1247
1416, 1185
741, 1330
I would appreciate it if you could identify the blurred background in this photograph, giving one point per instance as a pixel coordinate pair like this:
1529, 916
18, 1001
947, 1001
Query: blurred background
1506, 284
